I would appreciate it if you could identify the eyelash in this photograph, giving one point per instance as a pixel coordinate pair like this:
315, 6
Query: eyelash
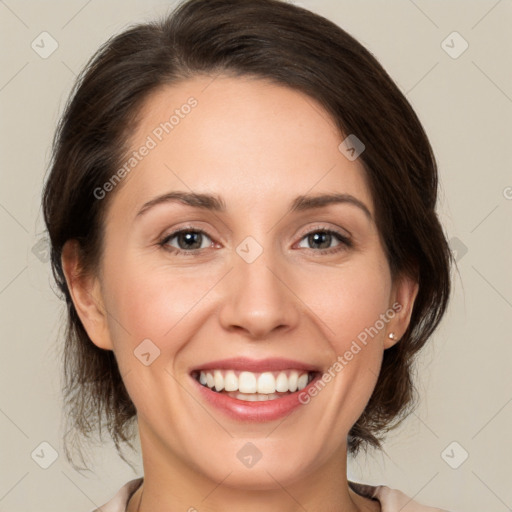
345, 242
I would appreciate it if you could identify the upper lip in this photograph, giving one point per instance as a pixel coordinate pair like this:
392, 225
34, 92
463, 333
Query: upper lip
256, 365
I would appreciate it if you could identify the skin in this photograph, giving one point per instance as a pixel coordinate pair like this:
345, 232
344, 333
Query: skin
257, 145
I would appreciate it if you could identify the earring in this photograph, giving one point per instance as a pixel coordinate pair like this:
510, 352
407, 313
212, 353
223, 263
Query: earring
392, 336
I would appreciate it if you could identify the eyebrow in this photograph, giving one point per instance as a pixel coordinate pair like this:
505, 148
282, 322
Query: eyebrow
216, 203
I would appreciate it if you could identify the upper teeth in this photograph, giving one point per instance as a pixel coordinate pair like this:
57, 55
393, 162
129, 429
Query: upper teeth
249, 382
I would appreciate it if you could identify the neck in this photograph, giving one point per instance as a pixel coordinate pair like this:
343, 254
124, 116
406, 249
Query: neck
170, 485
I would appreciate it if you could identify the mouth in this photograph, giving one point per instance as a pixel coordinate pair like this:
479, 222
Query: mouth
254, 391
254, 386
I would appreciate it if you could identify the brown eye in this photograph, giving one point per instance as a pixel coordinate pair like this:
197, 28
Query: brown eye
186, 240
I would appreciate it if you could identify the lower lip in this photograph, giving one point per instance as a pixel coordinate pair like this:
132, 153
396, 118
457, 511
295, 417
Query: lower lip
241, 410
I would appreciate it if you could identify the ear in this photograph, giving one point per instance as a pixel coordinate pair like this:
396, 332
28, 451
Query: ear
405, 290
86, 294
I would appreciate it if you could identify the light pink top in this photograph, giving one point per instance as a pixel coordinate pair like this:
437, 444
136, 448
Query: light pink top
391, 500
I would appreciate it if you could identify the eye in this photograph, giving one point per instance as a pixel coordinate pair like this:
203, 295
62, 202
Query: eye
323, 238
187, 240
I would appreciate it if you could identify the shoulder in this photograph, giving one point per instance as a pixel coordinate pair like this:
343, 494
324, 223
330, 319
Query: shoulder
391, 500
119, 501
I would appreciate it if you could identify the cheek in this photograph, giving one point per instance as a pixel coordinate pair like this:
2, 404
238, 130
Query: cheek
153, 303
349, 301
352, 303
157, 304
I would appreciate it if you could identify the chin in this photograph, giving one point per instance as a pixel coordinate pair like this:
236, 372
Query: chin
262, 475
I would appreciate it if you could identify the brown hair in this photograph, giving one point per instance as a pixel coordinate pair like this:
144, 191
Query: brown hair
290, 46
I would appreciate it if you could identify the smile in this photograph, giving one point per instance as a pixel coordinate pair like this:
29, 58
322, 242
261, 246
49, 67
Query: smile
254, 390
254, 387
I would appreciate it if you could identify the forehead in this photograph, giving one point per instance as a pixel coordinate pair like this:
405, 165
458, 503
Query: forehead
242, 137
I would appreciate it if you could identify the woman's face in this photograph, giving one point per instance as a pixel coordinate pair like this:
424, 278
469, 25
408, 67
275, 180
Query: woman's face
260, 279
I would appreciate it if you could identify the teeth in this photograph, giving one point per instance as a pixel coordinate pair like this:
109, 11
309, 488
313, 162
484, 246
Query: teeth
247, 382
218, 379
266, 383
281, 382
302, 382
255, 386
253, 397
230, 381
292, 381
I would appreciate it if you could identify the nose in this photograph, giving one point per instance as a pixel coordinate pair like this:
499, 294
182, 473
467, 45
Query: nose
258, 298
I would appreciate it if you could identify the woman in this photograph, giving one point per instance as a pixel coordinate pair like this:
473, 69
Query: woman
241, 207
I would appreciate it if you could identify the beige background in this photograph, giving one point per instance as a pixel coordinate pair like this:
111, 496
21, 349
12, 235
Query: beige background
465, 105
